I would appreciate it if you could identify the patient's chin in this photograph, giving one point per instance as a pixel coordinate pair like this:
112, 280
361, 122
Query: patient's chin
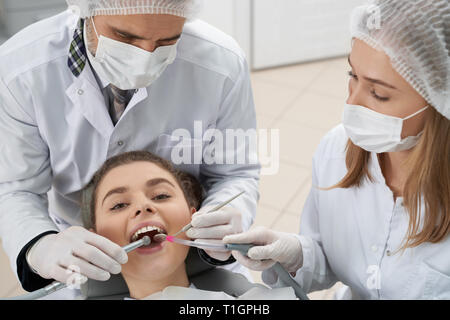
155, 267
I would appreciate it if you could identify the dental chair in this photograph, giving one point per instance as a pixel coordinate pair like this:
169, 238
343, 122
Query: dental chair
201, 274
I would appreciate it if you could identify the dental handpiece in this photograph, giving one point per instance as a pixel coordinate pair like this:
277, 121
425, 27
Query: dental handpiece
203, 245
55, 286
283, 275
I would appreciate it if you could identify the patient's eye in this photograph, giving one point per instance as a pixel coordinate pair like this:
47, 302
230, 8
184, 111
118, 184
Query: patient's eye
119, 206
161, 196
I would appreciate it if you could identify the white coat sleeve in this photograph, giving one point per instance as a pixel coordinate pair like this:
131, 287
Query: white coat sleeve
222, 181
315, 273
25, 177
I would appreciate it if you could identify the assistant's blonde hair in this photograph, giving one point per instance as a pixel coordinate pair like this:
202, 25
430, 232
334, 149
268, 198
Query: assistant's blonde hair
428, 181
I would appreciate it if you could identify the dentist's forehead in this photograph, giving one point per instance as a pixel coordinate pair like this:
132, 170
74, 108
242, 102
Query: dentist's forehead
152, 27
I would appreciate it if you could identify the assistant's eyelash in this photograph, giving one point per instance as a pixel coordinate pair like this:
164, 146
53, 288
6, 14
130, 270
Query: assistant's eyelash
374, 94
351, 74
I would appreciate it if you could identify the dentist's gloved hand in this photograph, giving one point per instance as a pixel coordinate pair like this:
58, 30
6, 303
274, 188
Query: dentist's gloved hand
270, 247
213, 226
76, 249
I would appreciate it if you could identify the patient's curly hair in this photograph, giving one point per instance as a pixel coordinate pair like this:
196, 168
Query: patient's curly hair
191, 187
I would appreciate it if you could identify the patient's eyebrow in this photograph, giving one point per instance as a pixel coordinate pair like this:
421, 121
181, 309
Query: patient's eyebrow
115, 190
150, 183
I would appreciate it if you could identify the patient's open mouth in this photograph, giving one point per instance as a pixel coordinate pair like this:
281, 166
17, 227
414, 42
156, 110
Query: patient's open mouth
150, 231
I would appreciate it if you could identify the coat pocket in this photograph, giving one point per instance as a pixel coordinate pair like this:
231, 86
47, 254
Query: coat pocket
437, 284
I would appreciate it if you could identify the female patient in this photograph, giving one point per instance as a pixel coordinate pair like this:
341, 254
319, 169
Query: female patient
138, 193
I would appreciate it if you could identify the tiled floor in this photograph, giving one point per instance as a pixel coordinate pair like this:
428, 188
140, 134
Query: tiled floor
302, 101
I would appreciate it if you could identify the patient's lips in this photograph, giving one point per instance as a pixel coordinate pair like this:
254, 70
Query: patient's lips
152, 248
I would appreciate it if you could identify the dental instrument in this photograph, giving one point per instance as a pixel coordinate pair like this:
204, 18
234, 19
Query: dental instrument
189, 225
201, 245
283, 275
55, 286
145, 241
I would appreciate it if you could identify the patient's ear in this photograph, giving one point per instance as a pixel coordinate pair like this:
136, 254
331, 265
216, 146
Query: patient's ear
193, 210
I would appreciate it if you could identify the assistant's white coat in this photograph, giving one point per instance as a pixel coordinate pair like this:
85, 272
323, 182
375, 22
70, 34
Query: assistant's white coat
350, 235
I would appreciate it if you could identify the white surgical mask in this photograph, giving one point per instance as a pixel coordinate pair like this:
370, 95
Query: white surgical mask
377, 132
129, 67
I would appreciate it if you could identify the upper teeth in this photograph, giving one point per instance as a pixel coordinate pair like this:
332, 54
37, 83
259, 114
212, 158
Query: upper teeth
144, 230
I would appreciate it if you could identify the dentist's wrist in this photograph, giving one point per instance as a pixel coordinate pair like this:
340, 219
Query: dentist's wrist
214, 262
29, 252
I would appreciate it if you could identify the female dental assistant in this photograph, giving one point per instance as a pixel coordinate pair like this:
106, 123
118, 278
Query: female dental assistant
378, 214
101, 79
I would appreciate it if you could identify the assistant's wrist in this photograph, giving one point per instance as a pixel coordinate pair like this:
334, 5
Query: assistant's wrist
296, 255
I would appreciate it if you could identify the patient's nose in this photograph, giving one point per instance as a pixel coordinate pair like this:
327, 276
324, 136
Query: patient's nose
145, 207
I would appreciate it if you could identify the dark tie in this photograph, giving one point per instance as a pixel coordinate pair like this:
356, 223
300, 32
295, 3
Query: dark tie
120, 99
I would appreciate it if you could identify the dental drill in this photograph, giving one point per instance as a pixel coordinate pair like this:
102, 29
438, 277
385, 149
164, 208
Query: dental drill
55, 286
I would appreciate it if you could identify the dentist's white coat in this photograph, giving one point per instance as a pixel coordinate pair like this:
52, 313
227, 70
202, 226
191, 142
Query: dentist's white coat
55, 130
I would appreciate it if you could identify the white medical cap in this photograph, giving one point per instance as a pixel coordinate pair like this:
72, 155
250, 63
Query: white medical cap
415, 34
88, 8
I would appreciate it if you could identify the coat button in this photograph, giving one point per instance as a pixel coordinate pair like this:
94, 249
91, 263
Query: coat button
120, 143
388, 253
80, 91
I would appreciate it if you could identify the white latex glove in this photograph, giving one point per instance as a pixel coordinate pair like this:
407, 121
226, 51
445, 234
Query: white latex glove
76, 248
270, 247
213, 226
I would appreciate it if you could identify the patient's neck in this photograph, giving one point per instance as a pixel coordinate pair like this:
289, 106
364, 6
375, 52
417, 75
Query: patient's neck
140, 288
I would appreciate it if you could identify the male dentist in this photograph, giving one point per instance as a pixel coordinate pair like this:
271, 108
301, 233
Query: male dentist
103, 78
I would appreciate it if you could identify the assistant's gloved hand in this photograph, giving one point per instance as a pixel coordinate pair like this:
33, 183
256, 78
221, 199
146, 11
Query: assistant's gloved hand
76, 249
270, 247
213, 226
